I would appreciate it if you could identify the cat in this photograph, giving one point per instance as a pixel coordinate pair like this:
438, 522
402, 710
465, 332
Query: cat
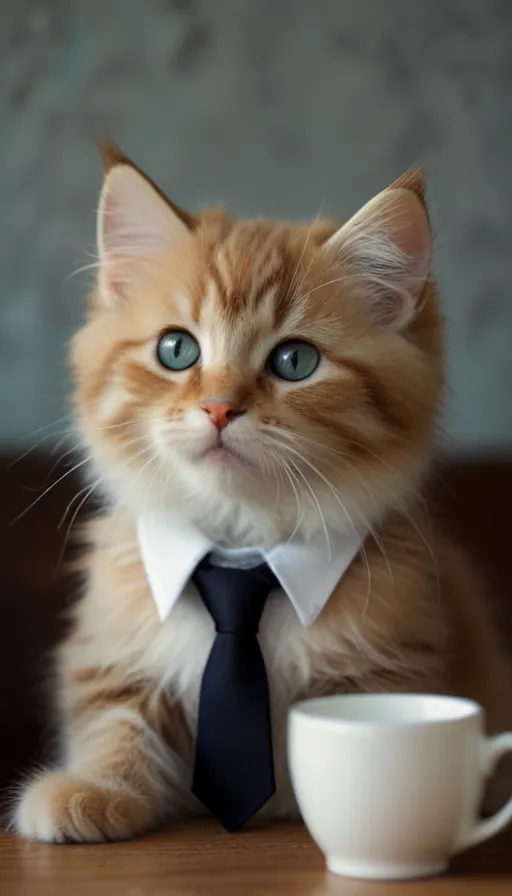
324, 344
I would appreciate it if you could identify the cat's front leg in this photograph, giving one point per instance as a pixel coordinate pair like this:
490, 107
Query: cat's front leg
123, 770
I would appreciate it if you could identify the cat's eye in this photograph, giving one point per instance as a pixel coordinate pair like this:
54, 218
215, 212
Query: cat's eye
294, 360
178, 350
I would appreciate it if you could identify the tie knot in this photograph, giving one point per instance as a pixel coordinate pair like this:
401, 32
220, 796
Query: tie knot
235, 598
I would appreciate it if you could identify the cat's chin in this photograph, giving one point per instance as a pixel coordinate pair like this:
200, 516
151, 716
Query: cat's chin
225, 457
224, 477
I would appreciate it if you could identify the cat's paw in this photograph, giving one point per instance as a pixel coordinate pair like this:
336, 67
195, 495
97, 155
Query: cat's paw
61, 808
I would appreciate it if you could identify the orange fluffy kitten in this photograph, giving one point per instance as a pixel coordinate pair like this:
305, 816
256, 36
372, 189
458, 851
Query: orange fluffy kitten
338, 442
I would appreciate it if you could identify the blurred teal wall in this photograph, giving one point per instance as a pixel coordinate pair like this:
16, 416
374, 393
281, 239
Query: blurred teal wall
280, 107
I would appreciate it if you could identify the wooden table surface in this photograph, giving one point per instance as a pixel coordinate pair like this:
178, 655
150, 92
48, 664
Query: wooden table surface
199, 858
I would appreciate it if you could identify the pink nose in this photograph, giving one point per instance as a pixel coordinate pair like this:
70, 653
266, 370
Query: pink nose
221, 413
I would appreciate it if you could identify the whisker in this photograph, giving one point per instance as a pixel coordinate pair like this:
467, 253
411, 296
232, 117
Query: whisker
292, 480
135, 421
88, 492
146, 464
400, 510
429, 547
60, 459
318, 505
70, 504
363, 547
49, 489
368, 526
92, 266
344, 457
310, 292
293, 283
31, 448
277, 471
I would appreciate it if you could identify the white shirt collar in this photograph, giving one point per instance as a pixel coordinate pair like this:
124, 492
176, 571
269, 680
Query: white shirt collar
308, 571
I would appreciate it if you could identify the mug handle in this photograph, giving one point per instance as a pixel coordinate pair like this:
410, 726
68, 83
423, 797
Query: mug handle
493, 750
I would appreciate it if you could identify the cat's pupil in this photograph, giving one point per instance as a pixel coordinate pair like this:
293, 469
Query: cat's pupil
294, 359
177, 346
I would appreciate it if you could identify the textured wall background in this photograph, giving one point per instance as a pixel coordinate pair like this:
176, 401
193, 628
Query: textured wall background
277, 107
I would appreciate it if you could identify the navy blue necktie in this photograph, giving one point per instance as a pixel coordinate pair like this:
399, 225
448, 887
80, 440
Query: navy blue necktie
234, 770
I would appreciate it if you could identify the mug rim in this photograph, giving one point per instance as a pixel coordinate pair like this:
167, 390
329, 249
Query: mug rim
311, 710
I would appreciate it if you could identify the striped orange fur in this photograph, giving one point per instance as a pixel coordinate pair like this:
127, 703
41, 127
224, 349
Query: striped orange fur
351, 445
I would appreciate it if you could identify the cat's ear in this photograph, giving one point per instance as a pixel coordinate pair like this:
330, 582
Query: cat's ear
136, 222
388, 245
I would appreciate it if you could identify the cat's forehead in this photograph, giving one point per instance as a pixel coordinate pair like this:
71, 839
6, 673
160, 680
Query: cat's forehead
253, 275
252, 286
253, 261
244, 289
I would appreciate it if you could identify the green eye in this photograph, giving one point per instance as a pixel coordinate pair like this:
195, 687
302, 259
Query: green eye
178, 350
294, 361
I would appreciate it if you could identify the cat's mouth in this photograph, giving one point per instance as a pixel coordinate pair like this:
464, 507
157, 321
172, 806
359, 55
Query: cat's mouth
222, 454
225, 455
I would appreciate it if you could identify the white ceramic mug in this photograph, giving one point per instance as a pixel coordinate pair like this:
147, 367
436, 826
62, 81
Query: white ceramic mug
390, 785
